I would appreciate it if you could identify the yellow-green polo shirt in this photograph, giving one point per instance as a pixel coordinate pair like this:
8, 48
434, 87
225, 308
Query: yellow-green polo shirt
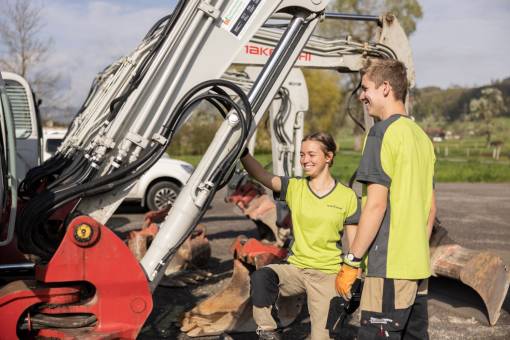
399, 155
318, 223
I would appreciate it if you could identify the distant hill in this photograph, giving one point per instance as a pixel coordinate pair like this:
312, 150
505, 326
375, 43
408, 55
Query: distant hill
452, 104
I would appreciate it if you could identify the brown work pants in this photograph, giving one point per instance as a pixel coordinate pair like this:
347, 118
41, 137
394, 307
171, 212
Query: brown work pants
319, 288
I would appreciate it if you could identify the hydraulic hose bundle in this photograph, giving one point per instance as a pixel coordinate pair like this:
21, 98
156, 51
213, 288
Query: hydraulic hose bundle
40, 236
51, 169
278, 126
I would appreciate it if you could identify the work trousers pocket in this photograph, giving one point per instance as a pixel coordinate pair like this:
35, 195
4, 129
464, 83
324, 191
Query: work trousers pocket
388, 325
386, 308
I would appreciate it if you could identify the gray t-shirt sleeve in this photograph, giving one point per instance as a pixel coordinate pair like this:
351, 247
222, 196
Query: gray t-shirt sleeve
354, 218
370, 167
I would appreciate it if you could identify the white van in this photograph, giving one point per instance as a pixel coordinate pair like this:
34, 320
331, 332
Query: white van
156, 189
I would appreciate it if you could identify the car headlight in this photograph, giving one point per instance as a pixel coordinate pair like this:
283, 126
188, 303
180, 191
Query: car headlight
188, 167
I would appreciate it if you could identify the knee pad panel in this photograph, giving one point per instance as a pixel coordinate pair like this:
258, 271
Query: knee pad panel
264, 287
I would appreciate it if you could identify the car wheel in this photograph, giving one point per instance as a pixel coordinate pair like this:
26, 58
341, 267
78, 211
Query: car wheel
162, 194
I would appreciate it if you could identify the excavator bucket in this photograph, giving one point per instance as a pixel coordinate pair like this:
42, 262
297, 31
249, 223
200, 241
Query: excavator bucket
255, 204
194, 252
483, 271
230, 310
393, 35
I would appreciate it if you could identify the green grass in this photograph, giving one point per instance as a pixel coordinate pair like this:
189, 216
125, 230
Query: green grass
447, 170
466, 159
474, 147
477, 170
469, 149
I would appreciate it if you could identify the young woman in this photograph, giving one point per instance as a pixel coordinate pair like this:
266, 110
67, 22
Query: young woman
321, 209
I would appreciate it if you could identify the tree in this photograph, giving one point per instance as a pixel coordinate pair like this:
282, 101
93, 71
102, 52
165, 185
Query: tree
22, 50
433, 103
325, 110
485, 108
408, 13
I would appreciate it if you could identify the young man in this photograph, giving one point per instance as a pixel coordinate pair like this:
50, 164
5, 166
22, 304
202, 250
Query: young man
397, 169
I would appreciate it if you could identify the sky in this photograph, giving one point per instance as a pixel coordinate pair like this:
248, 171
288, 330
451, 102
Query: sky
462, 43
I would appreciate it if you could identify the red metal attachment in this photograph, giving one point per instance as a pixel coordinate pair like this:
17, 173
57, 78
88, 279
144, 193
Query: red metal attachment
256, 253
17, 296
89, 255
245, 193
253, 202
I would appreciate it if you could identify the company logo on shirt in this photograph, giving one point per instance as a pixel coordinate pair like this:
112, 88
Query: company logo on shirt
334, 206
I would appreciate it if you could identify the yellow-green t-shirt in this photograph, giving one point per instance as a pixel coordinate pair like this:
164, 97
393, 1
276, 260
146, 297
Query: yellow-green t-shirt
318, 223
399, 155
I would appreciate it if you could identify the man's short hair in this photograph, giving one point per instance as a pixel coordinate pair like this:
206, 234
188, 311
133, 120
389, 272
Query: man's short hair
390, 70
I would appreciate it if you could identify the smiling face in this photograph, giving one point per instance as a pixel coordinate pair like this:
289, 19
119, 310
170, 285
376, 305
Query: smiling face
313, 158
372, 97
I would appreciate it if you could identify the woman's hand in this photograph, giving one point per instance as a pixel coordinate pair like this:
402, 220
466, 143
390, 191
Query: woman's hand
257, 171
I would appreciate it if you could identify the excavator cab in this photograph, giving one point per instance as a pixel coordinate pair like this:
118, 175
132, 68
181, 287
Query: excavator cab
9, 175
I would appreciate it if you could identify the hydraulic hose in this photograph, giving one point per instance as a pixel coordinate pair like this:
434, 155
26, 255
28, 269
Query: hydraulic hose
278, 126
348, 108
41, 173
171, 20
40, 239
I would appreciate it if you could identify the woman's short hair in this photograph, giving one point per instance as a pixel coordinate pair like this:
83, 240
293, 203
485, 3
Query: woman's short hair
326, 140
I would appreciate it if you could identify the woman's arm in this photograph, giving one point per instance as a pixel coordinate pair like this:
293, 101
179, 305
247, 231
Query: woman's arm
257, 171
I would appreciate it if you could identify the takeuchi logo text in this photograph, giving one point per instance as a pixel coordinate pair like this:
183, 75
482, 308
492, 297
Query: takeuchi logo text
267, 51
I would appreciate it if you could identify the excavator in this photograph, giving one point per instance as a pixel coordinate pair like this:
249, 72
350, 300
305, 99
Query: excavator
67, 282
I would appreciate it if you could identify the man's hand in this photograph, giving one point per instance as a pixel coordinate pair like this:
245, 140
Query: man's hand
344, 280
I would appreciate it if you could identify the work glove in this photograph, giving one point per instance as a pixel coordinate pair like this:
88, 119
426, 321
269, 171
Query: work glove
344, 280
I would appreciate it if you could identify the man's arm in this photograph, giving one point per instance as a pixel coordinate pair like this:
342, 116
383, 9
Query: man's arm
369, 224
350, 231
432, 215
371, 218
257, 171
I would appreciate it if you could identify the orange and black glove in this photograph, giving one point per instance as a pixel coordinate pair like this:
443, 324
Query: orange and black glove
347, 275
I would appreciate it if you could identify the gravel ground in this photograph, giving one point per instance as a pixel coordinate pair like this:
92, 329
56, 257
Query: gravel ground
476, 216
